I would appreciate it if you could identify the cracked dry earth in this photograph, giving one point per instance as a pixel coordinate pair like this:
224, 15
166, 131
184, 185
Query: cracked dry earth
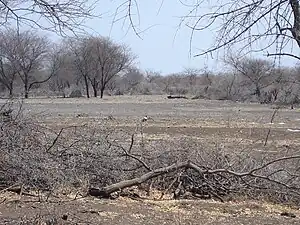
125, 211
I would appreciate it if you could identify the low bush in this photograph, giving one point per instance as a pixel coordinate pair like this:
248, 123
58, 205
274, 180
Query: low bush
39, 158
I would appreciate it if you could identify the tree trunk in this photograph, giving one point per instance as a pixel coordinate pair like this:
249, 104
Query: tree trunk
102, 92
87, 87
296, 26
95, 92
26, 87
11, 90
258, 92
94, 86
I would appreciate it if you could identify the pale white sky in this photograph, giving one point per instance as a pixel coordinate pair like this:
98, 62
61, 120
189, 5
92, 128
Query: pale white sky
164, 46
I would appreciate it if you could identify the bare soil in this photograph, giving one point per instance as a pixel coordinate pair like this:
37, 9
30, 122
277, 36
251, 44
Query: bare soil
127, 211
210, 123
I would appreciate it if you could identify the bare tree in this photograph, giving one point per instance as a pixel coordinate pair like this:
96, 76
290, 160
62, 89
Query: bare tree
82, 60
112, 59
152, 75
61, 68
27, 53
8, 75
191, 74
166, 83
8, 69
206, 79
256, 71
109, 59
113, 84
98, 60
228, 84
51, 15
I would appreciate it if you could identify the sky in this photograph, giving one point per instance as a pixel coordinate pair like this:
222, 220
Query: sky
164, 46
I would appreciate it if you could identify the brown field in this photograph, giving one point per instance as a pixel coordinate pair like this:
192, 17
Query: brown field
211, 124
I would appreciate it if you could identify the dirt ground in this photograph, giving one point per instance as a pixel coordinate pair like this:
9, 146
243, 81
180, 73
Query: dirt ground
223, 123
127, 211
212, 123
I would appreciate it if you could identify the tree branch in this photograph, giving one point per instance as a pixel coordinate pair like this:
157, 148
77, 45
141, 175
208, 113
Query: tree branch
283, 54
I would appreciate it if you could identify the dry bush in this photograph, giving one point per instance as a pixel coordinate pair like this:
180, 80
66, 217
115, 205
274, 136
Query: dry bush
42, 159
23, 158
81, 157
225, 174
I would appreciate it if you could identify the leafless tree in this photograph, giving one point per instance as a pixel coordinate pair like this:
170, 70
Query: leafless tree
109, 59
206, 79
80, 53
168, 82
98, 60
9, 71
61, 68
191, 74
228, 84
257, 72
288, 86
152, 75
51, 15
112, 59
8, 75
113, 84
27, 53
82, 60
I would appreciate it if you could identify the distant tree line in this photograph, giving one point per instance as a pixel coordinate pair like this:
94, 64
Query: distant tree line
32, 64
244, 79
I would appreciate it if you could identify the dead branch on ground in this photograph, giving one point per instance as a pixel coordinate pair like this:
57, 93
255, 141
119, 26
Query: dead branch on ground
253, 174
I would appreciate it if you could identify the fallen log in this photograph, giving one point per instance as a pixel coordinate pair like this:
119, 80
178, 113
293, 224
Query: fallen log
176, 97
106, 191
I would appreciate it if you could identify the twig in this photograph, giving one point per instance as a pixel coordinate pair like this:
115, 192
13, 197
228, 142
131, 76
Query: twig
269, 131
128, 154
170, 186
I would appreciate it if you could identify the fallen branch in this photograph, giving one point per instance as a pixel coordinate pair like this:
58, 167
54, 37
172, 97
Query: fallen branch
105, 192
176, 97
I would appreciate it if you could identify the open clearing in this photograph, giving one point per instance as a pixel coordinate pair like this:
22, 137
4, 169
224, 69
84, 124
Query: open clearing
211, 124
221, 123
